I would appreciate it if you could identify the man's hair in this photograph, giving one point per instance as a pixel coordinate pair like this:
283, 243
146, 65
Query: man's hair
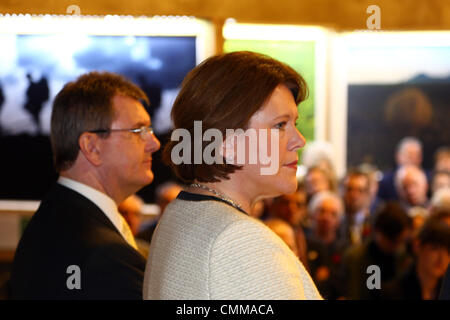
441, 199
391, 220
435, 232
442, 152
405, 141
326, 173
356, 172
223, 92
401, 174
85, 105
322, 196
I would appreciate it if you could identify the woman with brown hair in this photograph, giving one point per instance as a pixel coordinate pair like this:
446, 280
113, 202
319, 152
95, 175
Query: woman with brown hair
206, 246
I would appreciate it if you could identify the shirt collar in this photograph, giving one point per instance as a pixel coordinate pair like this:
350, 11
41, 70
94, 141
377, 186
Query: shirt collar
101, 200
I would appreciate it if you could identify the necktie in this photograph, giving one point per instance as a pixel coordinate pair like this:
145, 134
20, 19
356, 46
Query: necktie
126, 232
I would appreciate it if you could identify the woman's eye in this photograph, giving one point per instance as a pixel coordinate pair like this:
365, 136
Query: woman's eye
280, 125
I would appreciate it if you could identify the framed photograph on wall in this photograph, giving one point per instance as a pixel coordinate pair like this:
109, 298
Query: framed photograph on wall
390, 85
41, 53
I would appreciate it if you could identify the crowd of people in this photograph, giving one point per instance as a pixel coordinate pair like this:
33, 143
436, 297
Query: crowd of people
398, 220
226, 230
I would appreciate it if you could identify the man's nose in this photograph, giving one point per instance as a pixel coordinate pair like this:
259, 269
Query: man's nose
153, 143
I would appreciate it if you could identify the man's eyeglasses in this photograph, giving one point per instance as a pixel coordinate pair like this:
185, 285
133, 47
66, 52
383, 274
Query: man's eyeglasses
143, 131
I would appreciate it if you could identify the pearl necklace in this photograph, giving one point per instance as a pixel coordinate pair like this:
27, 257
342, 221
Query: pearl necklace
219, 195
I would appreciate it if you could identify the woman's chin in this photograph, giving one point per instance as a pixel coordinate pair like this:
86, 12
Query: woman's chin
288, 186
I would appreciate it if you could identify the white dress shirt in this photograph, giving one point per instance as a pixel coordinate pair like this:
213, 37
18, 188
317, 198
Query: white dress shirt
105, 203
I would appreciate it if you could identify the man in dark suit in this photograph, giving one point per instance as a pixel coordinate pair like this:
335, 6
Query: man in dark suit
77, 245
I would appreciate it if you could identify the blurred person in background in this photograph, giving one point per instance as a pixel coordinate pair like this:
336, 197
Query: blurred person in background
258, 209
441, 180
412, 186
317, 180
284, 231
355, 225
385, 248
320, 154
374, 176
422, 281
324, 247
442, 159
165, 194
408, 152
418, 217
440, 201
292, 209
131, 210
442, 215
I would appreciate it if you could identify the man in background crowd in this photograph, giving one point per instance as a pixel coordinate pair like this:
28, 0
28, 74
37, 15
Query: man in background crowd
442, 159
408, 152
131, 210
355, 226
324, 247
423, 280
292, 209
386, 248
412, 186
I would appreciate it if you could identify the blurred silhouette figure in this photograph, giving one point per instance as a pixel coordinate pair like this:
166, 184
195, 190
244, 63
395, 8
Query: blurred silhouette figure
257, 209
374, 177
385, 248
320, 154
441, 180
324, 247
408, 152
37, 93
422, 281
284, 231
292, 209
165, 193
412, 186
317, 180
442, 159
355, 226
131, 210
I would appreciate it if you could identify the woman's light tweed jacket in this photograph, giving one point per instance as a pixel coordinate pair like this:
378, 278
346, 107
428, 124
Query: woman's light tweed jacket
209, 250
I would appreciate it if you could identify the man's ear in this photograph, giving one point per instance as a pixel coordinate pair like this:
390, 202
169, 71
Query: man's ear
90, 146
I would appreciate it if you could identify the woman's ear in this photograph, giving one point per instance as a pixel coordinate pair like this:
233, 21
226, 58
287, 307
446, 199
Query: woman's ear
90, 147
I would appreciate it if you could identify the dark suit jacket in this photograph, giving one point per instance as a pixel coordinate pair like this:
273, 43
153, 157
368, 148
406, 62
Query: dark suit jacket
406, 287
68, 229
445, 289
